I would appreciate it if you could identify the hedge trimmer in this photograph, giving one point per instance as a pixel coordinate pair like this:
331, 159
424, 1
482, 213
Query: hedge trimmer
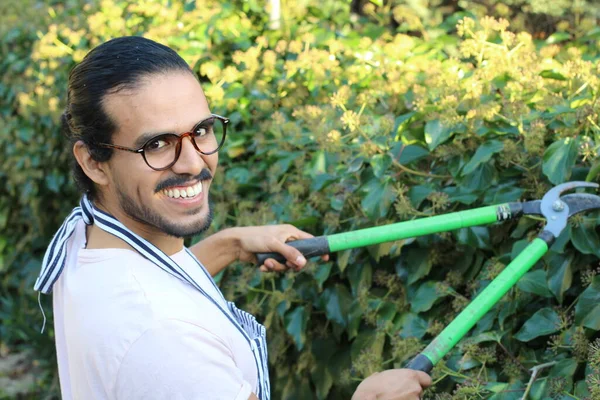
554, 208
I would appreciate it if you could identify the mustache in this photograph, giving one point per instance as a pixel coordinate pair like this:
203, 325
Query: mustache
183, 180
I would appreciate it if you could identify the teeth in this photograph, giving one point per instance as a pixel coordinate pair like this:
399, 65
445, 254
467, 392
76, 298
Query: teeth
190, 191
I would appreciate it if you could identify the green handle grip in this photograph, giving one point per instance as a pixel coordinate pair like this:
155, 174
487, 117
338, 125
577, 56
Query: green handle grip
459, 327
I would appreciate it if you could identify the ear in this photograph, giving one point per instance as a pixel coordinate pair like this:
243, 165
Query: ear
95, 170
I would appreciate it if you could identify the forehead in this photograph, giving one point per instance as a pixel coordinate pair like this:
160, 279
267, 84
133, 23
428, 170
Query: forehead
159, 103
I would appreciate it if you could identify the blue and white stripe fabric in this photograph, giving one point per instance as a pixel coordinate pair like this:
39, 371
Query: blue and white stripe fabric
56, 255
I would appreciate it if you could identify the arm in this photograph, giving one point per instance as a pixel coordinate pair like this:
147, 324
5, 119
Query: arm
177, 359
218, 251
240, 244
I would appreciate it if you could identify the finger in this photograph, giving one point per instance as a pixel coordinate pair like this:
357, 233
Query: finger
423, 378
263, 269
301, 234
325, 257
291, 254
275, 265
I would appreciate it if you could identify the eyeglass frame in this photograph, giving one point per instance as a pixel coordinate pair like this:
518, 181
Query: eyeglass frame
225, 121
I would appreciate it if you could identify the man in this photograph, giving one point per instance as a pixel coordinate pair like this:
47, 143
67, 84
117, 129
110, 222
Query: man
137, 315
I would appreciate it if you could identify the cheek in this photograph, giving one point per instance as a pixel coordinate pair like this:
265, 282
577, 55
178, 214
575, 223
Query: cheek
134, 176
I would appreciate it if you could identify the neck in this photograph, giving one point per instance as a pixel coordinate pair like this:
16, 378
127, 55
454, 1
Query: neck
166, 243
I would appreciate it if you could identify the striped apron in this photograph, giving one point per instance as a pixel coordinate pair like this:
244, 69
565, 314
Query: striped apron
56, 255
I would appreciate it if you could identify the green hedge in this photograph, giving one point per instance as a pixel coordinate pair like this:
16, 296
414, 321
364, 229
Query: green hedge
342, 122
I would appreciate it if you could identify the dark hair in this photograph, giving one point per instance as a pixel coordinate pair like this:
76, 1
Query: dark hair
113, 66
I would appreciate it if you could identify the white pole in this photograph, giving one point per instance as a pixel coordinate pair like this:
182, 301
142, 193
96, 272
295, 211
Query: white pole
275, 14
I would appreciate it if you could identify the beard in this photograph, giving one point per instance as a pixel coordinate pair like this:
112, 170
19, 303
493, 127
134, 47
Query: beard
141, 213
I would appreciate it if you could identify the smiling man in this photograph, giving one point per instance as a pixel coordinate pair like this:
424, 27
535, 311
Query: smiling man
137, 315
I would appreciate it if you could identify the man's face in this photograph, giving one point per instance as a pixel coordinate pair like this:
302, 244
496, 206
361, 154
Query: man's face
171, 102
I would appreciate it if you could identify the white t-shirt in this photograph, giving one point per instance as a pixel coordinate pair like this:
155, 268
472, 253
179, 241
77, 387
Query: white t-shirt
126, 330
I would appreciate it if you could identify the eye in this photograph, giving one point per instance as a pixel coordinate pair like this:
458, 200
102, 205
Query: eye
201, 131
156, 144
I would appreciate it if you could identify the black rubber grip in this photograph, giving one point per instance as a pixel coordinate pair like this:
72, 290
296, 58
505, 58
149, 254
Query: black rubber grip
420, 363
547, 237
312, 247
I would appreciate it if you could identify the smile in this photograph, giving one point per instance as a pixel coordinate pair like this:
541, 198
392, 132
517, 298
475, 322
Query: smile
184, 192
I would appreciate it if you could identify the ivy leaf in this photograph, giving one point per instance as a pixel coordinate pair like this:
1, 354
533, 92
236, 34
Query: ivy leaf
436, 133
418, 263
475, 236
535, 282
380, 164
559, 159
323, 380
425, 297
411, 325
337, 302
322, 273
407, 154
295, 325
585, 240
379, 197
560, 276
544, 322
483, 154
587, 310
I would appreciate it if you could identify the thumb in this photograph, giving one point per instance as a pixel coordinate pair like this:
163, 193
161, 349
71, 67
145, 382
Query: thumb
424, 379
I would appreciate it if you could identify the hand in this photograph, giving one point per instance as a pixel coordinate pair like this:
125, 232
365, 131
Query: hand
272, 238
393, 384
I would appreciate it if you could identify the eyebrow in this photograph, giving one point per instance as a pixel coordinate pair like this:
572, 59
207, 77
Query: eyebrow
145, 137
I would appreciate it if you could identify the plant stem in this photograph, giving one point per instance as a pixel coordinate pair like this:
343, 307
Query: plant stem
534, 373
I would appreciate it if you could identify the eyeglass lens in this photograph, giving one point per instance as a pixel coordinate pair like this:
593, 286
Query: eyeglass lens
162, 151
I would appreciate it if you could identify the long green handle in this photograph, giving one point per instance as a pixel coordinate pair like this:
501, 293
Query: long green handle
402, 230
459, 327
425, 226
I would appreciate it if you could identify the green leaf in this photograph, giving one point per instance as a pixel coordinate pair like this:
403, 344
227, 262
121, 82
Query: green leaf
544, 322
380, 163
360, 275
558, 37
295, 325
560, 275
535, 282
552, 74
425, 297
475, 236
418, 193
407, 154
585, 240
411, 325
587, 310
323, 379
379, 197
342, 259
480, 179
321, 273
565, 369
418, 263
436, 133
559, 159
483, 154
337, 302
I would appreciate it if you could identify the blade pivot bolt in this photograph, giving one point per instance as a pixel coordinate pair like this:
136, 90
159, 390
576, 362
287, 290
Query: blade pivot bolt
558, 205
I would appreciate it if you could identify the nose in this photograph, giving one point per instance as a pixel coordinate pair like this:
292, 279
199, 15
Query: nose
190, 160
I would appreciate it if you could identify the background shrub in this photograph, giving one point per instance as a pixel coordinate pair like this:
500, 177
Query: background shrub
345, 120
